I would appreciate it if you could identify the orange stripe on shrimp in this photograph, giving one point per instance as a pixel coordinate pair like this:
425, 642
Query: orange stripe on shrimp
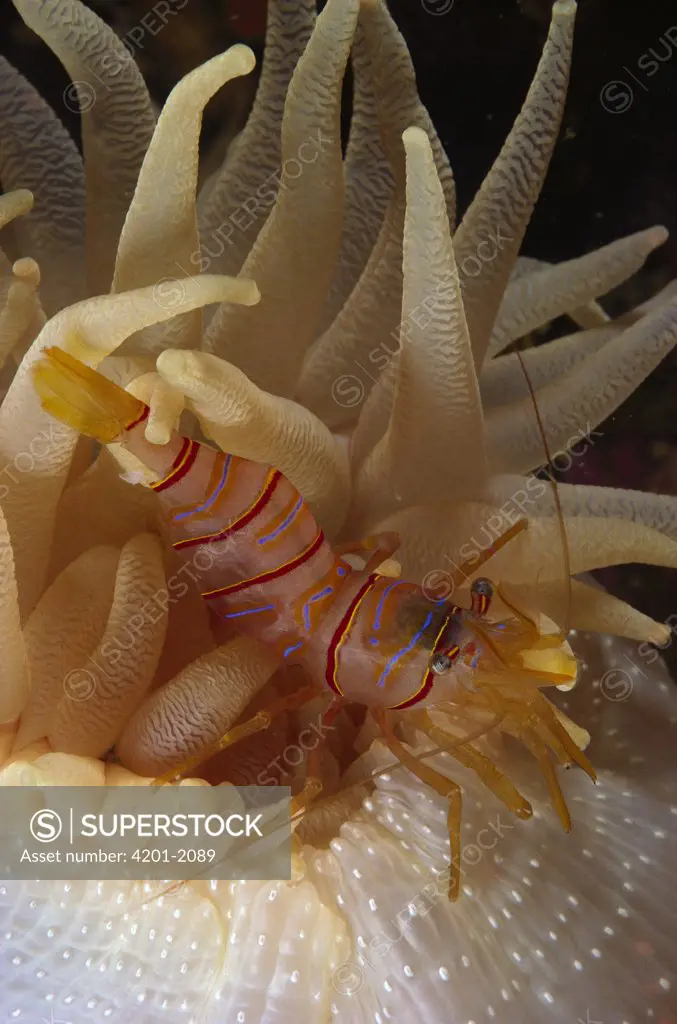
275, 530
272, 480
193, 508
181, 466
141, 418
428, 679
311, 604
271, 574
223, 483
340, 635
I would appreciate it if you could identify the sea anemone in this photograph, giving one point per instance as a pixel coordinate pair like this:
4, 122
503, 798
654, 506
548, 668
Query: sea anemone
342, 262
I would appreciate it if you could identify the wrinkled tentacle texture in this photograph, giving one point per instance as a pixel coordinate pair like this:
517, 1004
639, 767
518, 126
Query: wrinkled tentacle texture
361, 350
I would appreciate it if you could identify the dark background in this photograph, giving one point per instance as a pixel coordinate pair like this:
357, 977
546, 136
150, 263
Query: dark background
614, 170
612, 173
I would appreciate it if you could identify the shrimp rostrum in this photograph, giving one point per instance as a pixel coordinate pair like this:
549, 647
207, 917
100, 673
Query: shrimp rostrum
453, 674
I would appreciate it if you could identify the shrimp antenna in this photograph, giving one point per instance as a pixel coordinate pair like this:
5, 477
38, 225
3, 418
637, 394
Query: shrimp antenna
566, 554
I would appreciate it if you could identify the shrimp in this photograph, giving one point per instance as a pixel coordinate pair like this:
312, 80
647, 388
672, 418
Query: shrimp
359, 636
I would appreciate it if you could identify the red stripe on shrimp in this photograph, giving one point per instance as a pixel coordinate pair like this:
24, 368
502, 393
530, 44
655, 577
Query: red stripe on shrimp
181, 465
272, 480
343, 630
428, 679
271, 574
139, 419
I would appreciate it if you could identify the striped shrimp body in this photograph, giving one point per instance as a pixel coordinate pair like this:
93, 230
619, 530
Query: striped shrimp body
266, 568
264, 565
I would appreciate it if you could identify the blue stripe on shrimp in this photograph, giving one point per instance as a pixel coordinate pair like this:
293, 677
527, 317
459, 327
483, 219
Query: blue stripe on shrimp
306, 607
412, 643
283, 525
210, 501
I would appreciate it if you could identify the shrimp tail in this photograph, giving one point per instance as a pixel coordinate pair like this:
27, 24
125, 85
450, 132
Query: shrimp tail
83, 399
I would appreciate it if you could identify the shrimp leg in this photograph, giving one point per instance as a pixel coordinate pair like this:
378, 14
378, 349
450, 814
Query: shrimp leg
257, 723
313, 784
442, 785
499, 784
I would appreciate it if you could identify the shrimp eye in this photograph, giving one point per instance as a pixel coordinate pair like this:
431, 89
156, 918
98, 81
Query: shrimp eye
482, 591
482, 587
441, 663
443, 659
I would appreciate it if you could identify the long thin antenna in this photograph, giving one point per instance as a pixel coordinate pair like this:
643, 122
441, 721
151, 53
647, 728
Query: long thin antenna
566, 556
